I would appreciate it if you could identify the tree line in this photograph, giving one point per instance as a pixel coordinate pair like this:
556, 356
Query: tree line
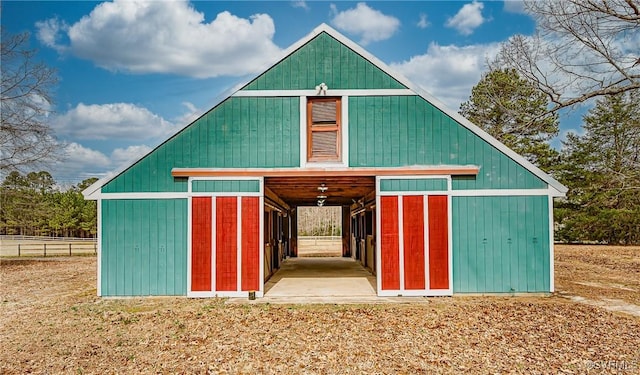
319, 221
33, 205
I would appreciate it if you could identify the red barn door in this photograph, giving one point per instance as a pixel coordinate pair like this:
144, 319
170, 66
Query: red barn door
414, 245
225, 246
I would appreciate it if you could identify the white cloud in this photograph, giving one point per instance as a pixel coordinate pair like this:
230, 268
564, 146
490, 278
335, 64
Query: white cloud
49, 33
423, 23
370, 24
514, 6
448, 72
112, 121
166, 37
468, 18
189, 116
78, 154
121, 157
300, 4
82, 162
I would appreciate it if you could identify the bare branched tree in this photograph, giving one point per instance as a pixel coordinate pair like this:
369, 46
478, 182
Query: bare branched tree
26, 139
582, 49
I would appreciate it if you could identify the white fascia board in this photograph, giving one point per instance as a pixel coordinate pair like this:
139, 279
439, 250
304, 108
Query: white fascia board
93, 191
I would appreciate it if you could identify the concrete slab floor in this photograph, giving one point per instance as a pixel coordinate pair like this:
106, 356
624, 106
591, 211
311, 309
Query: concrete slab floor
332, 280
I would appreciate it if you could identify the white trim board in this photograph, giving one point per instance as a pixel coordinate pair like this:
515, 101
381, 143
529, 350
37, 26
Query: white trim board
99, 249
502, 192
551, 248
454, 193
330, 92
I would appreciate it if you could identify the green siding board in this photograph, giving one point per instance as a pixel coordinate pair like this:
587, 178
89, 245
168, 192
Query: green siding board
408, 130
153, 243
219, 139
135, 242
225, 186
493, 244
505, 248
413, 184
323, 59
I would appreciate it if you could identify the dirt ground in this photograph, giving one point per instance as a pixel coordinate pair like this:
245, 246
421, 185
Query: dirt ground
51, 322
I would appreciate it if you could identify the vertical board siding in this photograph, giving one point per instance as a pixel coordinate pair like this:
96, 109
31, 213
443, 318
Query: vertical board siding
250, 228
226, 243
201, 244
389, 244
438, 242
413, 230
413, 184
238, 133
225, 186
324, 59
407, 130
141, 255
501, 244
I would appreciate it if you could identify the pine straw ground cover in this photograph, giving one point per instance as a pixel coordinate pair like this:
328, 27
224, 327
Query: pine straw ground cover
51, 322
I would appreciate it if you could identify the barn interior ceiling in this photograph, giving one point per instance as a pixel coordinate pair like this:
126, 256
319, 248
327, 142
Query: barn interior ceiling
308, 190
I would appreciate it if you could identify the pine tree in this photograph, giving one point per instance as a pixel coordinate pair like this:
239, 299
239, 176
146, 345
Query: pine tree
515, 113
602, 169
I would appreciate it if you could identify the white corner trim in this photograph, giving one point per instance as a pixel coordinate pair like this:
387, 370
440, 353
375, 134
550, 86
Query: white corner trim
401, 240
238, 243
189, 243
344, 130
261, 241
450, 242
378, 240
214, 242
425, 233
551, 247
99, 249
303, 131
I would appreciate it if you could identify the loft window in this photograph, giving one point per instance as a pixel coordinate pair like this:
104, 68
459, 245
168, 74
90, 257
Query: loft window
323, 129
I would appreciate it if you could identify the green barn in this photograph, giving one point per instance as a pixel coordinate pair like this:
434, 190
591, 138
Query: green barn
431, 204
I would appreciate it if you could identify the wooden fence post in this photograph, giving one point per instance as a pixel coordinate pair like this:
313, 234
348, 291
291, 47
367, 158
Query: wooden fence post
95, 248
45, 250
18, 249
69, 249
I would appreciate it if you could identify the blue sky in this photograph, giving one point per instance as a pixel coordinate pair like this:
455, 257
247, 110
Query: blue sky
132, 73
